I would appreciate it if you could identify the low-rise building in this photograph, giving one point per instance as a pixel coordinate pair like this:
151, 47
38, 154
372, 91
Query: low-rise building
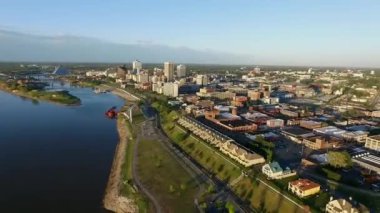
357, 136
304, 187
296, 134
344, 206
273, 123
367, 161
225, 144
274, 171
310, 124
321, 142
289, 113
373, 142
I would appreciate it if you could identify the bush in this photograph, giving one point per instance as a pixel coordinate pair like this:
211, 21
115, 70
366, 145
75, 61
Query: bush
331, 174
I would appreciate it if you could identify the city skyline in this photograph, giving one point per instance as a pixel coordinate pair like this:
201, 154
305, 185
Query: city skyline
323, 33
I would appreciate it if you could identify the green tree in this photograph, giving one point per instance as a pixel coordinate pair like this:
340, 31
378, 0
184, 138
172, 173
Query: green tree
230, 207
339, 159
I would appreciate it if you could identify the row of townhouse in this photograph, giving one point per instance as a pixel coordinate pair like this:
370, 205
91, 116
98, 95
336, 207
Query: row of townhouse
225, 144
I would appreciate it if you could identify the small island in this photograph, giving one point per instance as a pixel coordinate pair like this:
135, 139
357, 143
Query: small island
35, 90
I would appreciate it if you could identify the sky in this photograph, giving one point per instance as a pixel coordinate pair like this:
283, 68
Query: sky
280, 32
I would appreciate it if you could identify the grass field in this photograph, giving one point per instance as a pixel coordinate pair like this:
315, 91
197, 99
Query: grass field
167, 180
263, 198
210, 158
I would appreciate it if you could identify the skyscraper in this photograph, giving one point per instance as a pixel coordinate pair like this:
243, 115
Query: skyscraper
181, 70
169, 71
137, 65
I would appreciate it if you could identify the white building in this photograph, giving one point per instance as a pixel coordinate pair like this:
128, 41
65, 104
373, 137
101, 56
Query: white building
181, 70
275, 123
270, 100
170, 89
202, 80
340, 206
137, 65
142, 78
169, 71
94, 73
373, 142
274, 171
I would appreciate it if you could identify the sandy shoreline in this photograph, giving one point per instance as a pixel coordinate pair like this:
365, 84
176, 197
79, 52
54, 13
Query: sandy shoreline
113, 201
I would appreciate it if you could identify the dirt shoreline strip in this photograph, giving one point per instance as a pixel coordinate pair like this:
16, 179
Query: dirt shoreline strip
113, 201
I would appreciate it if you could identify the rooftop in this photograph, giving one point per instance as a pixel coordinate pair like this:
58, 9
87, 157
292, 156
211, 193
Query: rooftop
296, 131
275, 167
376, 137
304, 184
236, 123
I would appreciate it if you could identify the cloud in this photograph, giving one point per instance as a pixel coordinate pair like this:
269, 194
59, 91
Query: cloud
16, 46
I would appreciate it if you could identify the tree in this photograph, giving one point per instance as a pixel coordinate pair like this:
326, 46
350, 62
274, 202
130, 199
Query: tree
339, 159
230, 206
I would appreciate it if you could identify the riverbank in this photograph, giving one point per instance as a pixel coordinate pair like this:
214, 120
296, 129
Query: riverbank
57, 97
113, 200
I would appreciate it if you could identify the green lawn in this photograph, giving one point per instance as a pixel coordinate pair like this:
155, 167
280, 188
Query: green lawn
127, 189
263, 198
208, 157
167, 180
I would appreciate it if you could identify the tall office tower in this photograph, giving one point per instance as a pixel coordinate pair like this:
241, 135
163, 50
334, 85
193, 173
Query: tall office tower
202, 80
181, 70
137, 65
169, 71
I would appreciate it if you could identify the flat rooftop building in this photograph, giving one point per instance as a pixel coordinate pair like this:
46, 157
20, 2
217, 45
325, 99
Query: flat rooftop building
373, 142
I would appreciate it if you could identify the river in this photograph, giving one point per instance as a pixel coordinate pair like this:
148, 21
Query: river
56, 158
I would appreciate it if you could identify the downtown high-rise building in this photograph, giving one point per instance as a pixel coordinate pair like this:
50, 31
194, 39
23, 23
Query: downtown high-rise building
181, 70
137, 65
169, 71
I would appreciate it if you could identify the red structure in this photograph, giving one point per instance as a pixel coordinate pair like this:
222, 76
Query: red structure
111, 113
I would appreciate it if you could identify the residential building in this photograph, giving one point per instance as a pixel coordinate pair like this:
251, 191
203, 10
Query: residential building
344, 206
169, 71
142, 78
304, 187
274, 171
181, 71
225, 144
170, 89
373, 142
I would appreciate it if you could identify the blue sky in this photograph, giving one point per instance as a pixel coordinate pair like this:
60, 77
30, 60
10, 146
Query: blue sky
315, 32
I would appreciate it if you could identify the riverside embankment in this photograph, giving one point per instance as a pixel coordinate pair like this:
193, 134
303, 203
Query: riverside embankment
57, 97
113, 200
